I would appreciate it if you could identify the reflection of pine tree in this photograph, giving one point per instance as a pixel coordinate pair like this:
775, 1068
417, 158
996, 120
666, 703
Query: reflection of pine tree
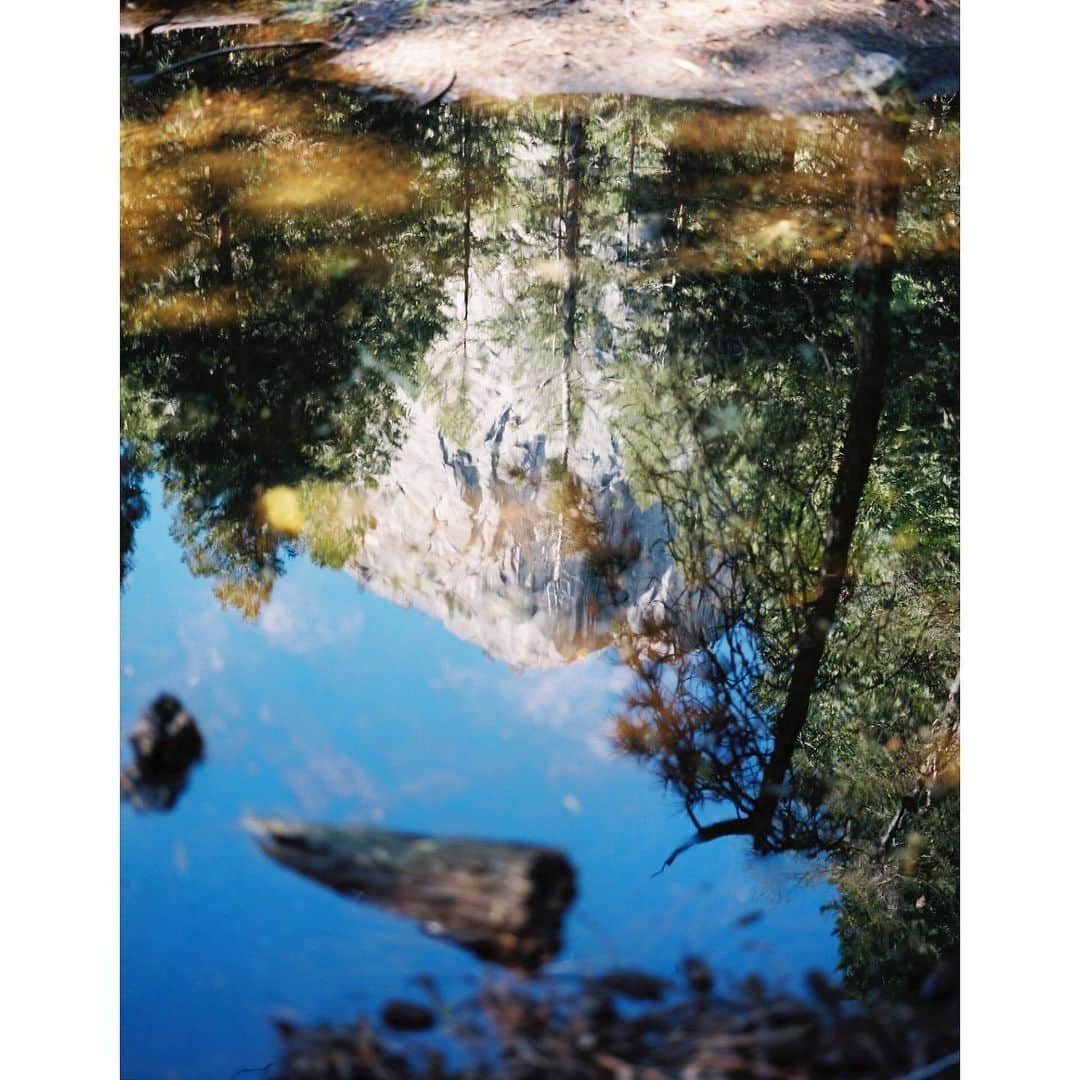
133, 505
571, 154
318, 313
808, 742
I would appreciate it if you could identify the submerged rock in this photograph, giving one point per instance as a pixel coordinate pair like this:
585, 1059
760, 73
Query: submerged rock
544, 1030
407, 1016
698, 975
167, 743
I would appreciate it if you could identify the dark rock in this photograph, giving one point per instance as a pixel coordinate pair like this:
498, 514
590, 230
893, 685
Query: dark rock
167, 743
824, 991
541, 1030
636, 985
407, 1016
698, 976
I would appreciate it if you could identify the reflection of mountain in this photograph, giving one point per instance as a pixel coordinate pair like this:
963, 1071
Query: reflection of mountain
512, 525
493, 557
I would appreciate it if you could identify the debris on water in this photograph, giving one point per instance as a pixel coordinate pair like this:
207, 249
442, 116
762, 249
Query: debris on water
541, 1030
748, 919
637, 985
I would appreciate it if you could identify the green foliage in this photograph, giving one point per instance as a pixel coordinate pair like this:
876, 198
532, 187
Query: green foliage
133, 505
262, 344
734, 394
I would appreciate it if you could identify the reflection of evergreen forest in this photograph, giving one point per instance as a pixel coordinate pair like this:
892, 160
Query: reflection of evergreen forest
770, 337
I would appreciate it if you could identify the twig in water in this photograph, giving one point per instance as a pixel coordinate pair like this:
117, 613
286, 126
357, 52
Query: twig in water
732, 827
305, 43
442, 93
256, 1069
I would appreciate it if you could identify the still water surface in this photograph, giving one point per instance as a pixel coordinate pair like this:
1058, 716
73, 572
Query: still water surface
476, 468
337, 705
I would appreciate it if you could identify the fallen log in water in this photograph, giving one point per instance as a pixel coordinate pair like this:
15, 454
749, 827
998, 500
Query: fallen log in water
502, 901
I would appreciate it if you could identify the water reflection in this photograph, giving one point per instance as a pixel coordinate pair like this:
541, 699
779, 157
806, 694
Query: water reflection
269, 310
582, 375
817, 506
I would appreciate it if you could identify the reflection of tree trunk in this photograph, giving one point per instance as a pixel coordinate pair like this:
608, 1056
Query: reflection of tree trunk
673, 286
505, 902
224, 247
791, 144
878, 176
575, 149
466, 198
630, 184
562, 184
877, 190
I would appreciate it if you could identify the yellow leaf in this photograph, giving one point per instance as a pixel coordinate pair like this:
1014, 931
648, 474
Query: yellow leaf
280, 509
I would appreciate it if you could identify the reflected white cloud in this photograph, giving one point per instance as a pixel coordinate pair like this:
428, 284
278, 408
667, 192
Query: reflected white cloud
295, 620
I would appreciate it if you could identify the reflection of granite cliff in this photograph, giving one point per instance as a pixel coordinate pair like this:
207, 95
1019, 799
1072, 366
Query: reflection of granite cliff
488, 520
